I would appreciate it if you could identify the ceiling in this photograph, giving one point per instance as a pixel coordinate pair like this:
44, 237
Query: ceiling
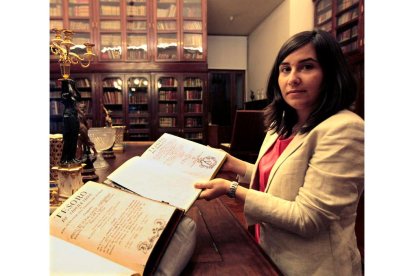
237, 17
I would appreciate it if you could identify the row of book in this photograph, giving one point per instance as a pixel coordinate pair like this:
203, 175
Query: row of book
166, 25
110, 10
111, 25
138, 98
55, 10
192, 26
168, 121
81, 10
344, 4
167, 82
138, 121
166, 95
167, 12
83, 83
347, 34
193, 107
193, 122
193, 95
348, 16
136, 25
167, 108
193, 55
193, 135
193, 82
324, 4
112, 98
108, 53
324, 16
137, 54
140, 10
58, 24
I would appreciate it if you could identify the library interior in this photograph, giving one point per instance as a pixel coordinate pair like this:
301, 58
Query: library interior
126, 74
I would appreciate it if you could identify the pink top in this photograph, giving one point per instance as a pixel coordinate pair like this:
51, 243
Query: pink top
265, 166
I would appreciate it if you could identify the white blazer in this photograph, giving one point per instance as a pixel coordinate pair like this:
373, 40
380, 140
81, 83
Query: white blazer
307, 213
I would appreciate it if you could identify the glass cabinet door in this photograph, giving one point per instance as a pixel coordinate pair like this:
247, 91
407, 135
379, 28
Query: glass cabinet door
166, 30
110, 35
137, 30
167, 105
112, 98
79, 16
193, 108
192, 28
138, 108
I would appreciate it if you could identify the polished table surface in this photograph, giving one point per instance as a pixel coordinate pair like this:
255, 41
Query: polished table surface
223, 245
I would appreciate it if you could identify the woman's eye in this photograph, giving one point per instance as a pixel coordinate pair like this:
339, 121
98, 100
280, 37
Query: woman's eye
284, 69
308, 66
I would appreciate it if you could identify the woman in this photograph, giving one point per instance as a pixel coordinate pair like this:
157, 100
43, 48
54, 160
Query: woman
308, 178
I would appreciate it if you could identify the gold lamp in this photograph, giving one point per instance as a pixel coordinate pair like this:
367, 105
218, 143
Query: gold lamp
60, 46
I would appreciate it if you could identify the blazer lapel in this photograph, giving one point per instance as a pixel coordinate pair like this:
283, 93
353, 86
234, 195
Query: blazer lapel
291, 148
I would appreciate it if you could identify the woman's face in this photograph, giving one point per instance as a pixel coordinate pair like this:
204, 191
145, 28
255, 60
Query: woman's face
300, 80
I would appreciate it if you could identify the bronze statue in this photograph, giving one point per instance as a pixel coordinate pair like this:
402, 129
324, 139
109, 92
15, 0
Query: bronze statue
70, 97
108, 119
84, 142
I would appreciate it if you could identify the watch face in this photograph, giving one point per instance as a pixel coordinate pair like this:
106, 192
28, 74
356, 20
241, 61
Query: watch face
232, 190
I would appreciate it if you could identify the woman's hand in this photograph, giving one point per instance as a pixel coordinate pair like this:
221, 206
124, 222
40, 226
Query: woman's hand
233, 165
213, 188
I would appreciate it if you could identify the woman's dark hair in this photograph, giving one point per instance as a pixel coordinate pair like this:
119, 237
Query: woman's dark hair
338, 90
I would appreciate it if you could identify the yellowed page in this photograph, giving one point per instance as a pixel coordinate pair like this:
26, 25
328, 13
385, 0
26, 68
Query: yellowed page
114, 224
69, 260
154, 180
186, 156
168, 170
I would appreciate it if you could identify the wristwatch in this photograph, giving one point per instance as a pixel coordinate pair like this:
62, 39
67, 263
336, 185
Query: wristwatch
233, 187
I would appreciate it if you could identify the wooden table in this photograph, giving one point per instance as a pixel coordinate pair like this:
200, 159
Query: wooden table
223, 245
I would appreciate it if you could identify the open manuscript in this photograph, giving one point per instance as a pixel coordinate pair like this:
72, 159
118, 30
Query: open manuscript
132, 226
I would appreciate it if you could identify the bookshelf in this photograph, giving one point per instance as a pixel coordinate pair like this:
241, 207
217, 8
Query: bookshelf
179, 106
136, 41
344, 19
139, 107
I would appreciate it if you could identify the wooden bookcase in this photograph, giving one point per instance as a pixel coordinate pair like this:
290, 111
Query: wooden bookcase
140, 44
136, 30
180, 105
344, 19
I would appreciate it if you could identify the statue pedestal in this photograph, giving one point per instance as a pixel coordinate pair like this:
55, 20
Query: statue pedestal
109, 153
69, 180
88, 172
